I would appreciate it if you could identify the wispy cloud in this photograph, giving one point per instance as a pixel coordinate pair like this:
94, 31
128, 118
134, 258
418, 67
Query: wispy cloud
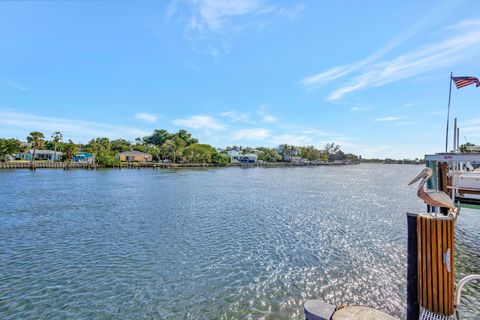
293, 139
388, 119
337, 72
470, 132
254, 118
266, 117
200, 122
473, 122
206, 18
303, 136
269, 118
15, 85
437, 113
471, 128
456, 43
75, 129
146, 117
251, 134
236, 116
359, 109
216, 16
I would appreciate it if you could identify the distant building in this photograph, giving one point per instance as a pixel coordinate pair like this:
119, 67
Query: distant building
40, 155
248, 158
234, 155
473, 148
290, 155
135, 156
83, 157
237, 156
296, 160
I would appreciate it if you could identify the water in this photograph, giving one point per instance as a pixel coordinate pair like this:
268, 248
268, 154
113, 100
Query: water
210, 244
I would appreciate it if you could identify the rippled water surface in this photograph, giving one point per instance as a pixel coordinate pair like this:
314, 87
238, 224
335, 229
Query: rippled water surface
210, 244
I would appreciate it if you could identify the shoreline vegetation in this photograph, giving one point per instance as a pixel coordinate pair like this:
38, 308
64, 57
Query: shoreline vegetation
167, 150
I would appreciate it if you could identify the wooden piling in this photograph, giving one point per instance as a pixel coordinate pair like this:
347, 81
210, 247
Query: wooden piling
435, 263
413, 244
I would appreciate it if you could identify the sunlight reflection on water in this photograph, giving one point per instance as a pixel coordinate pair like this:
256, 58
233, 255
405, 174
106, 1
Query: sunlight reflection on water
211, 243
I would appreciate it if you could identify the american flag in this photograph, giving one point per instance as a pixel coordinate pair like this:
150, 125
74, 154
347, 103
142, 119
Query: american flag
461, 82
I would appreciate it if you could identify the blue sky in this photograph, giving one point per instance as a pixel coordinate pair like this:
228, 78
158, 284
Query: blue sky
370, 75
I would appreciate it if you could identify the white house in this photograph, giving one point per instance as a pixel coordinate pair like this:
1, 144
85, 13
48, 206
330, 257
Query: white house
237, 156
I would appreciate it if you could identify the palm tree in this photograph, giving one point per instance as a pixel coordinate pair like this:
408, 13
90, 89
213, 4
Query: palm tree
284, 149
37, 140
71, 149
56, 137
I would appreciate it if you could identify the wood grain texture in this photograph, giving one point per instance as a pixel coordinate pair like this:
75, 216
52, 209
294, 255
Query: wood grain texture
435, 281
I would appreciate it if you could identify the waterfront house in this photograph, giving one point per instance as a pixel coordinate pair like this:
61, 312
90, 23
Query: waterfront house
135, 156
289, 155
234, 155
40, 155
237, 156
296, 160
83, 157
248, 158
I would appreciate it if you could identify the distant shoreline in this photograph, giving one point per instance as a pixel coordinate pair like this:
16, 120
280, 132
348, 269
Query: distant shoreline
155, 165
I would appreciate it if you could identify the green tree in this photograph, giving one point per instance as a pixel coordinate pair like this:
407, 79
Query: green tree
8, 147
331, 149
339, 155
97, 145
172, 148
310, 153
56, 138
71, 149
351, 157
120, 145
288, 151
230, 148
186, 136
199, 153
220, 159
158, 137
37, 140
107, 158
268, 155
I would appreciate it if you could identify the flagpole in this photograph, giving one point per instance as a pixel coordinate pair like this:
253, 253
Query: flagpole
448, 112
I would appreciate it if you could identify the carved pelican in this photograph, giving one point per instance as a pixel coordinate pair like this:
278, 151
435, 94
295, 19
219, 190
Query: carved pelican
432, 197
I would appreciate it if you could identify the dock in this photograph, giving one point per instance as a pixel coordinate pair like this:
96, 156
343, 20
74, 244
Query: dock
152, 165
431, 291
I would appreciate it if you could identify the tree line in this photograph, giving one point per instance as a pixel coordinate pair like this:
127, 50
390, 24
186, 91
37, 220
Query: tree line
285, 152
161, 144
168, 147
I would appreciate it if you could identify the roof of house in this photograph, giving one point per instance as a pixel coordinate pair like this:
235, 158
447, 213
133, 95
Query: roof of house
134, 153
251, 155
85, 154
39, 151
233, 152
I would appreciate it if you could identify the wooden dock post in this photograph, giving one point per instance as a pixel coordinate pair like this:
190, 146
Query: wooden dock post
413, 310
431, 285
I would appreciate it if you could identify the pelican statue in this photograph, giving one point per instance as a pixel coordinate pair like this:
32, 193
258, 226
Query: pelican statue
432, 197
